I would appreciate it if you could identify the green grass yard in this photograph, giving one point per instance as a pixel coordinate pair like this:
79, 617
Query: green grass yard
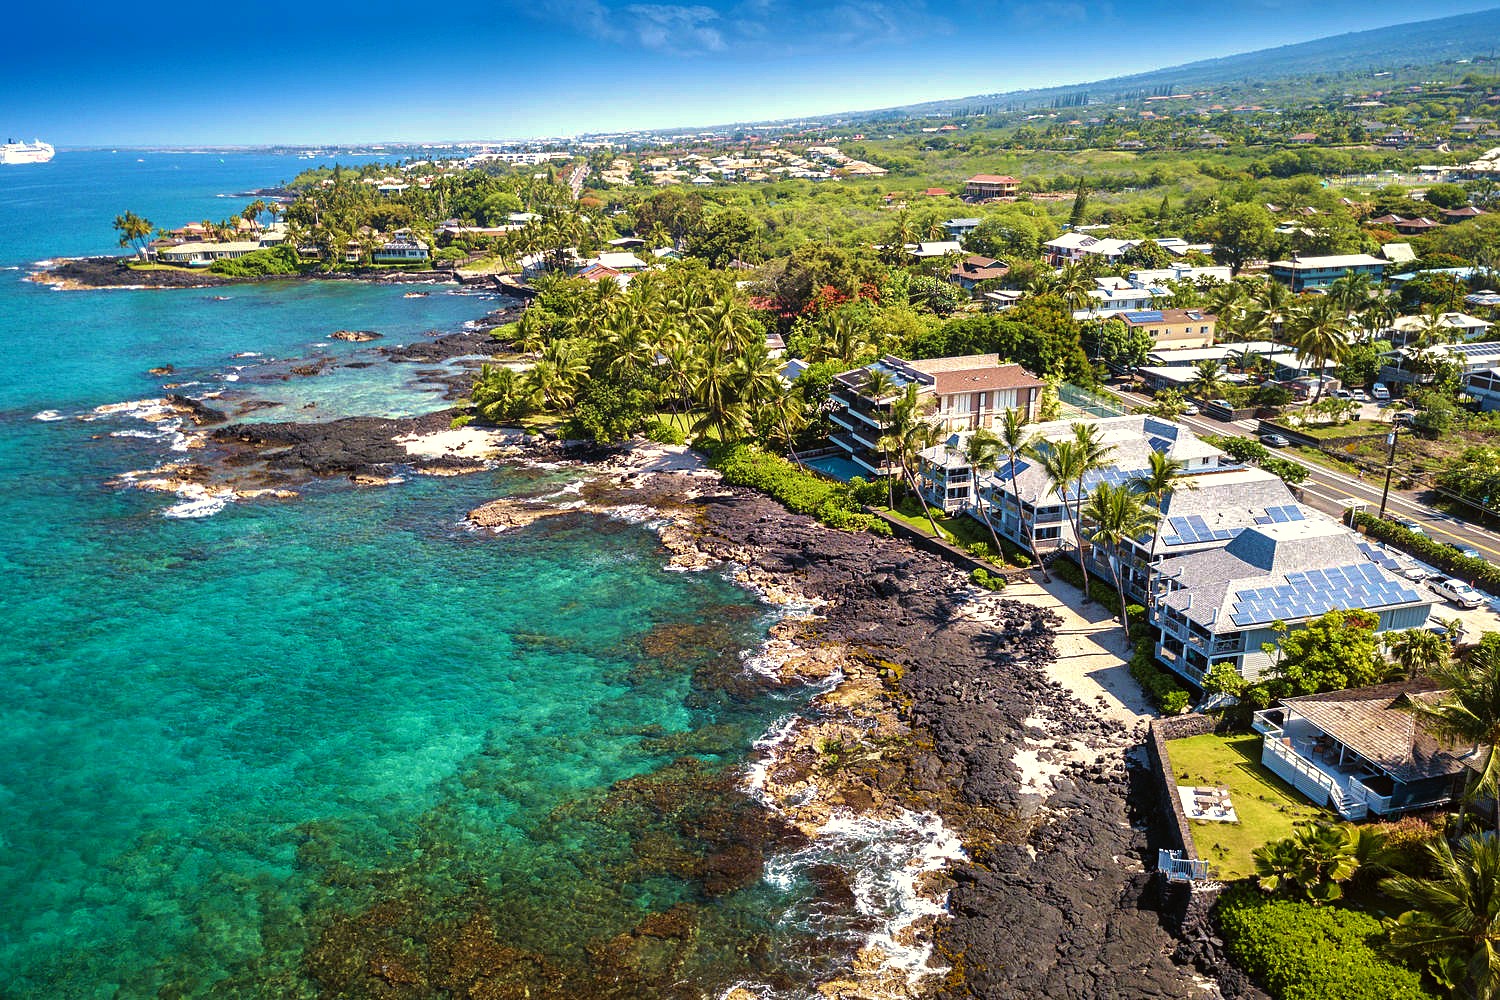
1267, 807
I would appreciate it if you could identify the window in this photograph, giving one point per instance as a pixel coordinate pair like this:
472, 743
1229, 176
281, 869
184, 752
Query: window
1046, 532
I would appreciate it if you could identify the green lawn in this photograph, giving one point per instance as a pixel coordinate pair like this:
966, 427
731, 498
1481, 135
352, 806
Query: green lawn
1354, 428
1267, 807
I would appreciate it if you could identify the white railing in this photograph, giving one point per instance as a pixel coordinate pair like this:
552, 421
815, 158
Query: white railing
1359, 792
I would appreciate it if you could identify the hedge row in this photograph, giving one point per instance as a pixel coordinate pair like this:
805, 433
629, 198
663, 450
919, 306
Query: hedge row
1484, 575
1162, 686
1299, 951
796, 489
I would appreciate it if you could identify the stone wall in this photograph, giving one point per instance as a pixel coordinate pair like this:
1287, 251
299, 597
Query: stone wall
941, 549
1175, 728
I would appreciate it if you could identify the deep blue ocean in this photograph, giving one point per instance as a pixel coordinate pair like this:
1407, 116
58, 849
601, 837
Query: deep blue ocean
340, 745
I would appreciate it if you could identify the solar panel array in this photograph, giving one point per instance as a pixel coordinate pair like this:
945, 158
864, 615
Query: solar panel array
1281, 515
1193, 529
1380, 557
1476, 349
1112, 476
1309, 594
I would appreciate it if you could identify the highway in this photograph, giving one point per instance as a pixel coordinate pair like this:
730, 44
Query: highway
1326, 490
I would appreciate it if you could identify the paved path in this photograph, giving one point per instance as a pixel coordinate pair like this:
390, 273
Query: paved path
1092, 653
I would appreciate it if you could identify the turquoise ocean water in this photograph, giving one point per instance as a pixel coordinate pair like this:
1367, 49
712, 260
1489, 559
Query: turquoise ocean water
339, 745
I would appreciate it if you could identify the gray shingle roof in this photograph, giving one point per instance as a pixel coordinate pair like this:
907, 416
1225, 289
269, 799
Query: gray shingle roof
1371, 722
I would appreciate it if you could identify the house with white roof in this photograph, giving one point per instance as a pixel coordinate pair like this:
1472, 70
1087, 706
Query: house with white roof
1029, 506
1452, 326
1222, 605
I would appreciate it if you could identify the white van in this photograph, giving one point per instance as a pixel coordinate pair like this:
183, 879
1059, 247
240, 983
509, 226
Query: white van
1379, 391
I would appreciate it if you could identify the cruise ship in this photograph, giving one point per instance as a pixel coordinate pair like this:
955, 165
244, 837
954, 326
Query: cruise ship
35, 151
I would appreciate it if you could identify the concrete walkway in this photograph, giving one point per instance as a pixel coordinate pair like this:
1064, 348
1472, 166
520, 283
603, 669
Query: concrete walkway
1092, 651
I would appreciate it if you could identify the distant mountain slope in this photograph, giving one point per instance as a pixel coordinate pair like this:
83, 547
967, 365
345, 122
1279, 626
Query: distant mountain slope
1463, 36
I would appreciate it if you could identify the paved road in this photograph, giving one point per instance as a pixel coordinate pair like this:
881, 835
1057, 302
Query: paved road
1325, 489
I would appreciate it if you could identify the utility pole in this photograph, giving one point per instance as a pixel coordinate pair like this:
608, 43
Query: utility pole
1390, 465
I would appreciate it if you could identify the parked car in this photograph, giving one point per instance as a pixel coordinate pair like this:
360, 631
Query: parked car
1274, 440
1410, 525
1466, 550
1191, 410
1379, 391
1360, 396
1222, 404
1458, 592
1343, 394
1404, 417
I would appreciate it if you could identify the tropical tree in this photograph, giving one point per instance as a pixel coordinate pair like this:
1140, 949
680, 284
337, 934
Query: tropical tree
1208, 379
911, 435
134, 231
1317, 859
1066, 463
1014, 438
1418, 651
1317, 332
1468, 714
1453, 924
1117, 517
982, 451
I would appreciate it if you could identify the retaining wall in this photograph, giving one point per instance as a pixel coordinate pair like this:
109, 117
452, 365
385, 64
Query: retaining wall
1175, 728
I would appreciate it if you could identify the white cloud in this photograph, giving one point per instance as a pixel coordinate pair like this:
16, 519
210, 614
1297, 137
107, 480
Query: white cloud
672, 28
783, 27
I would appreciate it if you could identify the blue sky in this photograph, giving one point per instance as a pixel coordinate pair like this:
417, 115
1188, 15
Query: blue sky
259, 72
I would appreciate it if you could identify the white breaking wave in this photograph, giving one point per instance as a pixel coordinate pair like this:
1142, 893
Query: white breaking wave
48, 416
201, 507
888, 859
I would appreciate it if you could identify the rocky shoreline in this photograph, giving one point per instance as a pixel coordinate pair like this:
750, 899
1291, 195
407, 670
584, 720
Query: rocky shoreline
89, 273
929, 709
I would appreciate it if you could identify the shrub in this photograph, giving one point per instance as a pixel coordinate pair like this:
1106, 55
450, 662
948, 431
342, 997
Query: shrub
983, 578
1020, 559
665, 432
1299, 951
795, 489
261, 263
866, 493
461, 421
1484, 575
979, 550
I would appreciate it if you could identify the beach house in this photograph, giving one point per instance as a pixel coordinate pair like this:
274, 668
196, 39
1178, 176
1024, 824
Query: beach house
1362, 751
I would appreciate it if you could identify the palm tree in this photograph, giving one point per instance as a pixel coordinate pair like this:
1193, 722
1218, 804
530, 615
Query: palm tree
1014, 438
1454, 921
1316, 858
1062, 462
1208, 380
1317, 333
1162, 475
911, 436
1161, 478
1118, 517
1469, 714
982, 451
919, 437
1418, 651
